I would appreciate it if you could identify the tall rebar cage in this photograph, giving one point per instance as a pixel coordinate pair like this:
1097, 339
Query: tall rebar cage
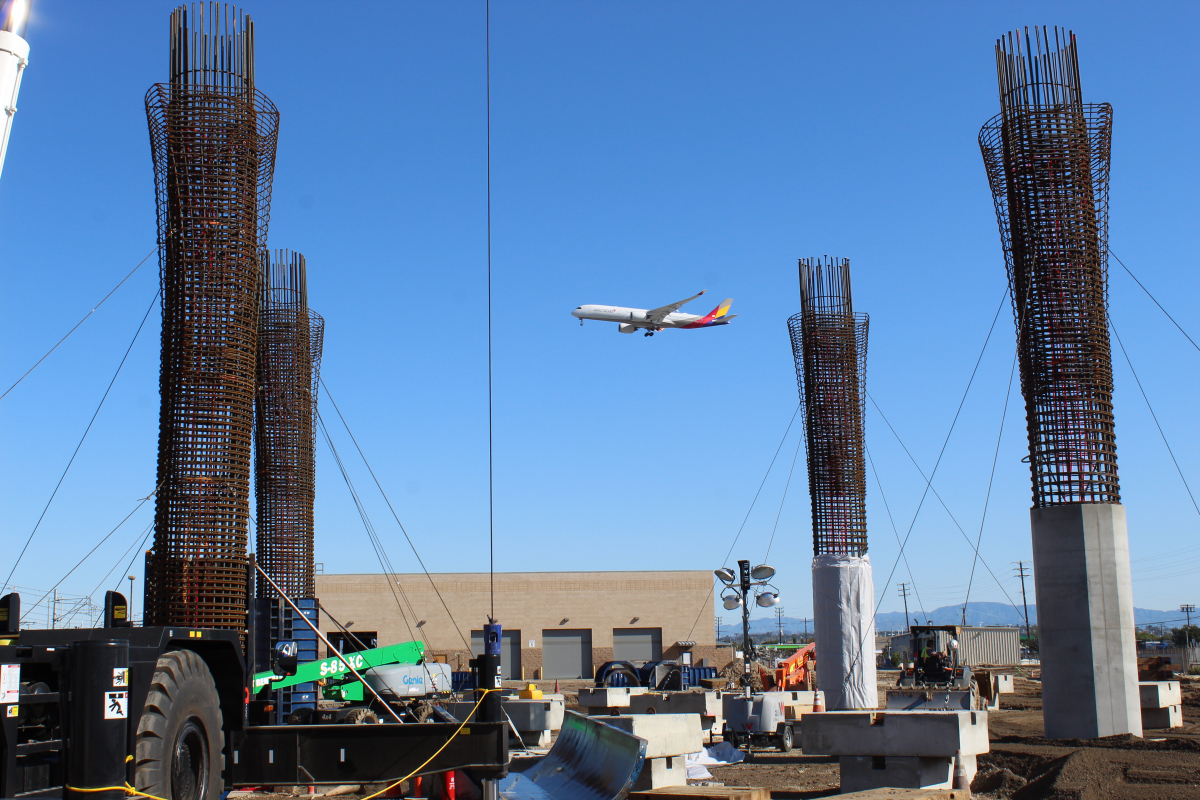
829, 344
1047, 158
212, 138
290, 337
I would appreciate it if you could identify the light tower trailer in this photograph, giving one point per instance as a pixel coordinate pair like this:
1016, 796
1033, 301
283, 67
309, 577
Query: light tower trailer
167, 710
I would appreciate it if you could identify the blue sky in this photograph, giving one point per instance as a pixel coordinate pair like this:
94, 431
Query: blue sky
641, 152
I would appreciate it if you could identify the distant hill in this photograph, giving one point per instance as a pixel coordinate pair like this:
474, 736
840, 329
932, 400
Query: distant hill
998, 614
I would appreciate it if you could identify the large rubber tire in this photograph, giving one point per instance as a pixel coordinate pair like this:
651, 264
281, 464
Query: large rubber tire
179, 747
785, 739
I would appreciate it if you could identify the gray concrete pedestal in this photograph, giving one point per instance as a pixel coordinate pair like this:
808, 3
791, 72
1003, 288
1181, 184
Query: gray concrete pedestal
1085, 619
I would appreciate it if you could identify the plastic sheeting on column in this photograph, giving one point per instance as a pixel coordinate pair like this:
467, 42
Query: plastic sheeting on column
844, 615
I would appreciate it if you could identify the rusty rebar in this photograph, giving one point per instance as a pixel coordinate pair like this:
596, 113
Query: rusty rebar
290, 337
829, 344
212, 137
1047, 159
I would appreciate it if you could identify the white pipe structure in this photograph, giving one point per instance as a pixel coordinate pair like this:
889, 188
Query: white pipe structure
14, 57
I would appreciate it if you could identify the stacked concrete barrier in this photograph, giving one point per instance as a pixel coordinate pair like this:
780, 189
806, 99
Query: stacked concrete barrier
607, 700
669, 738
1161, 704
902, 749
706, 704
534, 720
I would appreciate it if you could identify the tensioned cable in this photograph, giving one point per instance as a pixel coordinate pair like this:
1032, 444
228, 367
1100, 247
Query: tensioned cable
987, 498
928, 481
1152, 297
1154, 416
77, 324
895, 531
86, 430
376, 544
491, 488
141, 503
708, 595
779, 513
140, 537
395, 516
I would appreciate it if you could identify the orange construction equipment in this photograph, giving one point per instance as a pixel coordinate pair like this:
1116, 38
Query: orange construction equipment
795, 673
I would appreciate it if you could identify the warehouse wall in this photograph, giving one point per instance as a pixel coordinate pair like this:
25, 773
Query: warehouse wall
679, 603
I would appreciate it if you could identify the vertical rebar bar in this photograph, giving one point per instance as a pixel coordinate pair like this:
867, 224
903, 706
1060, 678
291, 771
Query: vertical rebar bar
829, 344
1047, 159
212, 137
290, 337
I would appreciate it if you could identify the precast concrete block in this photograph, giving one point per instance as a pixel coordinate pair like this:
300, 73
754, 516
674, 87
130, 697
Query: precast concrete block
1169, 717
608, 696
1159, 694
863, 773
1085, 617
665, 734
534, 715
894, 733
706, 704
1004, 683
659, 773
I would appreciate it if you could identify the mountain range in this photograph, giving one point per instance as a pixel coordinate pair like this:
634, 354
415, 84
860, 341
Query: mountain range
999, 614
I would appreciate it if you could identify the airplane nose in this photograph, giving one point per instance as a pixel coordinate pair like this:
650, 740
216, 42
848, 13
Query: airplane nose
575, 313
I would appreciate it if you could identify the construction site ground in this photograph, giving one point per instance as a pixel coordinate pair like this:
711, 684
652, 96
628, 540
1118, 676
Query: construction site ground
1022, 765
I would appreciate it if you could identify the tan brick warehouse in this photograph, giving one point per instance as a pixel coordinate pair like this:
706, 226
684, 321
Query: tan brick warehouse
584, 616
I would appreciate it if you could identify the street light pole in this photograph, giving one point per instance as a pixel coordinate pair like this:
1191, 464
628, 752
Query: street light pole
1187, 608
744, 573
131, 579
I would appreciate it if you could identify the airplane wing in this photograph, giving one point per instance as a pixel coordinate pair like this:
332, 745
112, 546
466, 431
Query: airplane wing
657, 315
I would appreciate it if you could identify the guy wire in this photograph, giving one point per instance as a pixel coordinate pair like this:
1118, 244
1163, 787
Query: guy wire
491, 480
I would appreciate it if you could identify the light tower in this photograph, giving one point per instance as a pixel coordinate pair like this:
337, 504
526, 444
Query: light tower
14, 57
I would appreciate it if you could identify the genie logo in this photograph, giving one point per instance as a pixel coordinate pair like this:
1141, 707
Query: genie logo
410, 680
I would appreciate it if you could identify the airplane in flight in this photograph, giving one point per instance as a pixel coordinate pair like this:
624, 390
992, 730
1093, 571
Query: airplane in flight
656, 319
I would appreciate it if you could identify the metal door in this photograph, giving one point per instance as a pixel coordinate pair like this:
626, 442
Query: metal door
637, 644
567, 653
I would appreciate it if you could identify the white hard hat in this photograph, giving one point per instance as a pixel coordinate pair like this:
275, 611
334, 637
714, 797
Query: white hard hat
954, 644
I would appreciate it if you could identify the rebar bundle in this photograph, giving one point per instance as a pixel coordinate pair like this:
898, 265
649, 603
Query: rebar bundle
290, 337
212, 137
1047, 160
829, 344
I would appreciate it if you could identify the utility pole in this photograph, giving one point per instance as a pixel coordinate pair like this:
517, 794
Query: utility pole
1023, 573
779, 623
904, 594
806, 630
1187, 608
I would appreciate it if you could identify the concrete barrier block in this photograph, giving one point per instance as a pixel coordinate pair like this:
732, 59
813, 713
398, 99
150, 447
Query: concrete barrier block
535, 715
1004, 683
608, 696
864, 773
706, 703
659, 773
894, 733
1159, 694
1169, 717
665, 734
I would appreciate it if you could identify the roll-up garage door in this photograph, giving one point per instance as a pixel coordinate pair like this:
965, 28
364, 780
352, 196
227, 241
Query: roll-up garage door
567, 653
637, 644
510, 653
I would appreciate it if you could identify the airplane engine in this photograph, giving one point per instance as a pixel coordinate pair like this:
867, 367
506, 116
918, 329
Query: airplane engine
625, 327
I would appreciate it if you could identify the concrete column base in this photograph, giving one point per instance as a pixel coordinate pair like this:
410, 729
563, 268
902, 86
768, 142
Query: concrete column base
863, 773
1085, 619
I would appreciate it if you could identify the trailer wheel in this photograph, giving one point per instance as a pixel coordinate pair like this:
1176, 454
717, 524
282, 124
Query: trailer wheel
785, 739
179, 737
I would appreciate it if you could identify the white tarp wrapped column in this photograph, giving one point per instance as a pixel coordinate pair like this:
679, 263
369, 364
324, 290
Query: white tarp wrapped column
844, 615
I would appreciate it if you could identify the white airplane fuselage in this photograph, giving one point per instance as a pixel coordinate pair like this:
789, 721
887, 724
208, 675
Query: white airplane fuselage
633, 317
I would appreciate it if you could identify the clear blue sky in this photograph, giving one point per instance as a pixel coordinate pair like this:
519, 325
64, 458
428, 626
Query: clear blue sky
641, 152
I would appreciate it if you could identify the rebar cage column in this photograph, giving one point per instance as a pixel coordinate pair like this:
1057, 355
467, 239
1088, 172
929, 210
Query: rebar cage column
212, 137
1047, 158
289, 357
829, 344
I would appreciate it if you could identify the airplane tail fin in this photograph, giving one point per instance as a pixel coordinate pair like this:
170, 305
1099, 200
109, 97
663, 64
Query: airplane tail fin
721, 310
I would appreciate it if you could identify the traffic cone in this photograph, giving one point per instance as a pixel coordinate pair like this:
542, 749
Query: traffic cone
818, 702
960, 774
556, 685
